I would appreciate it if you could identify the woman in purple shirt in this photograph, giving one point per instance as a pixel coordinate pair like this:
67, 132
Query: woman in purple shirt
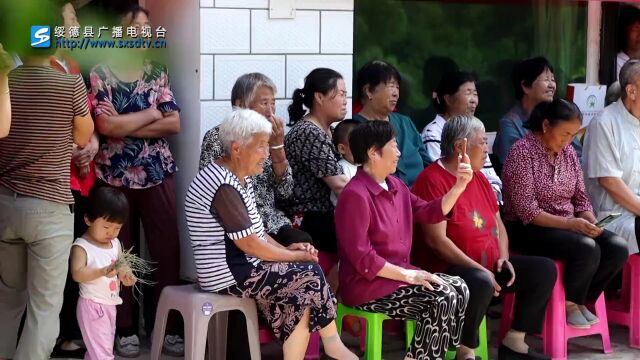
374, 247
549, 214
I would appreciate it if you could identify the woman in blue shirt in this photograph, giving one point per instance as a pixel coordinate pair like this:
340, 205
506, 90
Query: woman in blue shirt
379, 90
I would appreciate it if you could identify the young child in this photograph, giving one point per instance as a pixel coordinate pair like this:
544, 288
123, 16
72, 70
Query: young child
341, 142
93, 265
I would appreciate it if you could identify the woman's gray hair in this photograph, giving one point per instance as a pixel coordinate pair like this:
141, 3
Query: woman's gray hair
244, 90
240, 126
458, 128
629, 74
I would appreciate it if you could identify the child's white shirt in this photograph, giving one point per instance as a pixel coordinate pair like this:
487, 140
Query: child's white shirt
103, 290
349, 170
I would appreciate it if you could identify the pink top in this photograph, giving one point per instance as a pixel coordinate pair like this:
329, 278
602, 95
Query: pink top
533, 184
375, 226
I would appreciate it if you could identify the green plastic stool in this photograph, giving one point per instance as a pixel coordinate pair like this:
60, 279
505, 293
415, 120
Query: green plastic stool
481, 351
373, 347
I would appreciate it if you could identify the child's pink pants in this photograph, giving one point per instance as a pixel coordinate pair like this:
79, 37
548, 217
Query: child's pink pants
98, 326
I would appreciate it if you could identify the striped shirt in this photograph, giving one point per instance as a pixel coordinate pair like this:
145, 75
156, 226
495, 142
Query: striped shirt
220, 210
36, 156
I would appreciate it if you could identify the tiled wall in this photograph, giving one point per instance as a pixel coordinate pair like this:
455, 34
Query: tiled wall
237, 37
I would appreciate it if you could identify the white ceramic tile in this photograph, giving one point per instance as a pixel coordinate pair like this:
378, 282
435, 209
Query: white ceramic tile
299, 66
224, 31
206, 77
285, 36
244, 4
211, 114
206, 3
324, 4
227, 68
336, 32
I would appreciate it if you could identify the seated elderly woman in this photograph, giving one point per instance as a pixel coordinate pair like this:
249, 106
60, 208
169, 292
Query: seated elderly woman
256, 91
548, 213
234, 255
374, 245
473, 244
379, 91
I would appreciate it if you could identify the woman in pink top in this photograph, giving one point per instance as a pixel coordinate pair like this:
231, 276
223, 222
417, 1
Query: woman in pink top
374, 247
549, 214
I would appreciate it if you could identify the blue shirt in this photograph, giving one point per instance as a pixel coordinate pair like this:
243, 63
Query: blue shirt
414, 157
511, 129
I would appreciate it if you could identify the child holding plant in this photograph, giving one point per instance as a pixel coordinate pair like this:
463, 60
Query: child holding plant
99, 264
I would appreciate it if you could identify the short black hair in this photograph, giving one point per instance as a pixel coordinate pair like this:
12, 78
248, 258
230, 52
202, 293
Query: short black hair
526, 72
373, 73
342, 130
629, 15
108, 203
449, 85
369, 134
556, 111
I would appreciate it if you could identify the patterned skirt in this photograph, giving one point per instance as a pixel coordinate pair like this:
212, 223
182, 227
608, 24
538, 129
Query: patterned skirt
439, 314
283, 291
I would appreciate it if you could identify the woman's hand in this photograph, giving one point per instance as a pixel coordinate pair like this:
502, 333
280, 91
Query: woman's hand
277, 131
421, 277
105, 108
82, 156
464, 172
584, 227
303, 252
505, 265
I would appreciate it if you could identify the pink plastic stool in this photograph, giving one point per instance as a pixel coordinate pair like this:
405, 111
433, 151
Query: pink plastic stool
555, 331
626, 310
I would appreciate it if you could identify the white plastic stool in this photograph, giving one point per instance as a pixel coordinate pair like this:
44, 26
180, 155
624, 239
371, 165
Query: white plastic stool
197, 308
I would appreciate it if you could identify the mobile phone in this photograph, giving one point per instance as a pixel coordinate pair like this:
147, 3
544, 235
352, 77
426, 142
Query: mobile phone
504, 276
607, 220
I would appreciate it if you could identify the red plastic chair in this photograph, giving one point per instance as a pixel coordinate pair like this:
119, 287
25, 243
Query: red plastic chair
626, 310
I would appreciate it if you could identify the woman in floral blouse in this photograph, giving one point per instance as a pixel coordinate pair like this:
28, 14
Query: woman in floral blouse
549, 214
256, 91
135, 110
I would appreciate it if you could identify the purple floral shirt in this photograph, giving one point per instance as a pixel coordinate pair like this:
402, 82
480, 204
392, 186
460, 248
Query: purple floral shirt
134, 163
533, 184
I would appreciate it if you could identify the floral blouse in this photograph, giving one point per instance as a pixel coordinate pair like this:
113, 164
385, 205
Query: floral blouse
134, 163
533, 184
267, 187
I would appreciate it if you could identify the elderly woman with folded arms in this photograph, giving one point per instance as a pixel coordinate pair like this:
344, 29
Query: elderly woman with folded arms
235, 256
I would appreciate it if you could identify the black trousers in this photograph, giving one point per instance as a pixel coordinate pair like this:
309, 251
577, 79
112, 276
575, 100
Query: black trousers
590, 264
535, 277
69, 329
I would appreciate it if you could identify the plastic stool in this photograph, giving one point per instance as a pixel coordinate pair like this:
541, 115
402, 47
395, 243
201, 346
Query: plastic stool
555, 331
626, 310
373, 340
197, 308
482, 350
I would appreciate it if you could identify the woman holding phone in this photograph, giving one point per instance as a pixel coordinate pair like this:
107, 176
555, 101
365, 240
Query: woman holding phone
473, 244
549, 214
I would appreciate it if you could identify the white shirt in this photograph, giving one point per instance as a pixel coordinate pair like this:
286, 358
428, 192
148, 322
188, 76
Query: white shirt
103, 290
620, 61
431, 135
612, 149
349, 170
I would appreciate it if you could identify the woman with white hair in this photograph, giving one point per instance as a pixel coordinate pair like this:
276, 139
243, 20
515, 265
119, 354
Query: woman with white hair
235, 256
257, 92
473, 244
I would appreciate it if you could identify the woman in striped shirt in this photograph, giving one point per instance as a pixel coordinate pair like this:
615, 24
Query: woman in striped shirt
235, 256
